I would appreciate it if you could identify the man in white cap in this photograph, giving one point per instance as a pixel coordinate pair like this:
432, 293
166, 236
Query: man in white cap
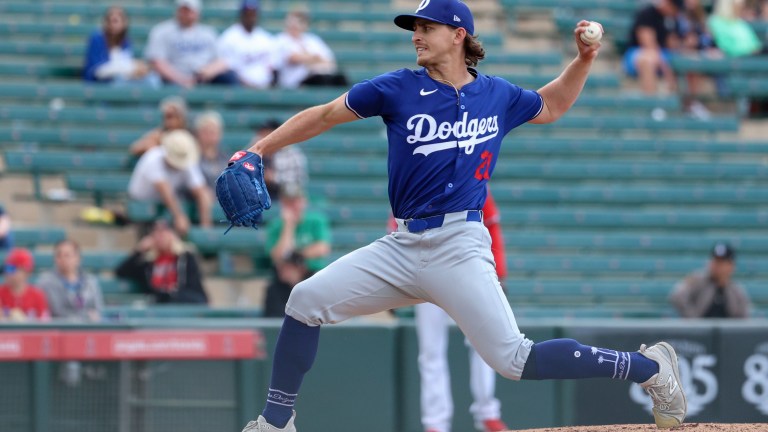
183, 51
169, 172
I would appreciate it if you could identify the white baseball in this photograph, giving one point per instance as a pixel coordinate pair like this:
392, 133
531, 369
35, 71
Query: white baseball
592, 33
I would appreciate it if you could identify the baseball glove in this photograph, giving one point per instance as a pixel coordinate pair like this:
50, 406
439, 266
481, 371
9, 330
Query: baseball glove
241, 191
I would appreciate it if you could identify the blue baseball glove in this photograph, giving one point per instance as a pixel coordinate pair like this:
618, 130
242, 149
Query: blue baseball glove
241, 191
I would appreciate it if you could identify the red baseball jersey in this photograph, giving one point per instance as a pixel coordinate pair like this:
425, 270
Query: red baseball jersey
31, 302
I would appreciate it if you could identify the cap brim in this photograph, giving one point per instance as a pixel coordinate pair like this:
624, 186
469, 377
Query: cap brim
406, 21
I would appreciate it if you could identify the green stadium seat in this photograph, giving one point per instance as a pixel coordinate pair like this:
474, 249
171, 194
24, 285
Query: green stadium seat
584, 265
646, 123
721, 66
115, 286
653, 148
630, 242
31, 237
40, 163
242, 120
618, 170
95, 261
605, 217
166, 311
77, 138
99, 186
58, 162
630, 194
213, 240
154, 13
750, 86
617, 6
348, 238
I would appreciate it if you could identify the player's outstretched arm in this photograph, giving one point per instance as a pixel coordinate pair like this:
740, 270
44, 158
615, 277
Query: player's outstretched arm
305, 125
561, 93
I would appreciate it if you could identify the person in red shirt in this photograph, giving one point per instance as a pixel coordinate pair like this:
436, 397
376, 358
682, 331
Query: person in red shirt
19, 299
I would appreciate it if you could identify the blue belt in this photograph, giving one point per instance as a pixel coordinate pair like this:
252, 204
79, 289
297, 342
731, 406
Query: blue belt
423, 224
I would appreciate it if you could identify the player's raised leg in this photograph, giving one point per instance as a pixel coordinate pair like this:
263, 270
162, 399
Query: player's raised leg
366, 281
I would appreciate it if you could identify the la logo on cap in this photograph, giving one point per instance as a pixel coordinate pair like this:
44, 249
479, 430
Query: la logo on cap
423, 4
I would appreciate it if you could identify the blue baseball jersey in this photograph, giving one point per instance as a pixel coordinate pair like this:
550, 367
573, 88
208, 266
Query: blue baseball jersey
443, 143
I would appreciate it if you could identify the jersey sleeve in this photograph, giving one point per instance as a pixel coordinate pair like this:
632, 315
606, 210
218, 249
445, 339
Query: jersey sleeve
371, 97
524, 106
365, 99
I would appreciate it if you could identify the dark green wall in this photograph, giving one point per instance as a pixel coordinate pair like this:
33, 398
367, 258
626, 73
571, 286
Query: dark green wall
366, 378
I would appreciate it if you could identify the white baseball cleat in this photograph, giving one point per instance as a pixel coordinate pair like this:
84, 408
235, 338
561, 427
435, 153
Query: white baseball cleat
261, 425
669, 404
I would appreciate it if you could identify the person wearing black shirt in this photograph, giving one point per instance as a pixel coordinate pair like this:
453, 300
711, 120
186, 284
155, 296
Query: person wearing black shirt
652, 38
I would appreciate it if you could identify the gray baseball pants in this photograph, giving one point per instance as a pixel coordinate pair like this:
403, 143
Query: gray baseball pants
451, 266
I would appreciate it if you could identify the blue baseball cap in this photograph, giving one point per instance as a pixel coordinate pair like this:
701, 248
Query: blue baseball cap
250, 4
450, 12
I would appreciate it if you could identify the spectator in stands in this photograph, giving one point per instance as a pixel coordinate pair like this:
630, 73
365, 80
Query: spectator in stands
286, 166
712, 293
652, 40
696, 39
694, 31
109, 54
208, 130
183, 51
174, 112
20, 300
163, 266
304, 58
166, 174
299, 243
72, 293
755, 10
248, 49
6, 239
733, 35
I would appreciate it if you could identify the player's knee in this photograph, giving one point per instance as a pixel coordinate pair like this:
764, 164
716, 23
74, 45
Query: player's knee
303, 303
510, 370
510, 362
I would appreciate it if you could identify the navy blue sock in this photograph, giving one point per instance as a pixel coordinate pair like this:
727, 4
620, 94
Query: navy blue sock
568, 359
294, 354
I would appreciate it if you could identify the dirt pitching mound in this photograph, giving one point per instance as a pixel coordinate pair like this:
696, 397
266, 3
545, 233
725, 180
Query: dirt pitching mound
689, 427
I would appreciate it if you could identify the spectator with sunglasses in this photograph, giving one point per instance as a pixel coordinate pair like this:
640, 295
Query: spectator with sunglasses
174, 117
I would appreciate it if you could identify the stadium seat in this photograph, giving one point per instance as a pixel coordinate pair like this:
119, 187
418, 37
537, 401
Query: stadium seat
95, 261
31, 237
